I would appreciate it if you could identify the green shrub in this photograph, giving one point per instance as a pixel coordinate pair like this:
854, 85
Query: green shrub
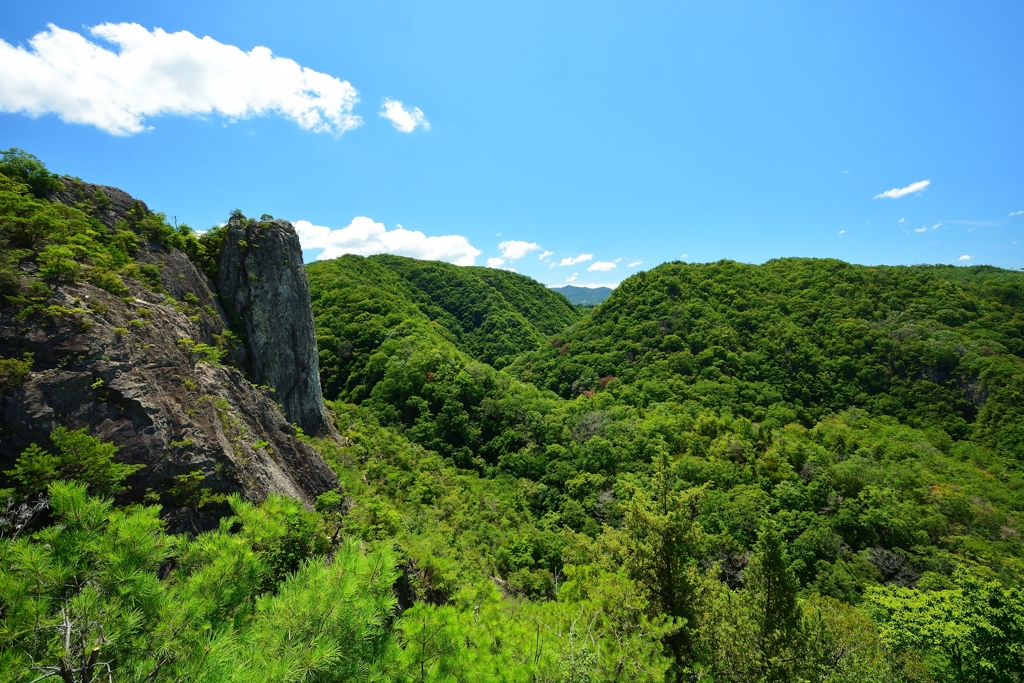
79, 457
14, 371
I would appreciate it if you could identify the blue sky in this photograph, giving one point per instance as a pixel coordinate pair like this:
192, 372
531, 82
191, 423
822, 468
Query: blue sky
627, 132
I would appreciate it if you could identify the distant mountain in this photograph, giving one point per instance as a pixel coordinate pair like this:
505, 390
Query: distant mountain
584, 296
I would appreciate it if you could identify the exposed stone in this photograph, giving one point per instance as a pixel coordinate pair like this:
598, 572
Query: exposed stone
262, 282
118, 366
159, 404
120, 202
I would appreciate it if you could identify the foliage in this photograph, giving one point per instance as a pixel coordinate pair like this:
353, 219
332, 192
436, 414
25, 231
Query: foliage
26, 168
972, 632
929, 345
44, 244
754, 516
489, 314
80, 457
800, 471
13, 371
85, 598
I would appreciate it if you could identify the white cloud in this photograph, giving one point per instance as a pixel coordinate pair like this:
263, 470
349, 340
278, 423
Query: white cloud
403, 119
965, 257
159, 73
684, 256
545, 254
576, 259
601, 266
901, 221
936, 226
513, 249
573, 278
921, 229
897, 192
511, 270
633, 264
1017, 213
842, 232
495, 262
365, 237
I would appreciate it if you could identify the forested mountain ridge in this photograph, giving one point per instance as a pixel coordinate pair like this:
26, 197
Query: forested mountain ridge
475, 296
362, 304
584, 296
934, 346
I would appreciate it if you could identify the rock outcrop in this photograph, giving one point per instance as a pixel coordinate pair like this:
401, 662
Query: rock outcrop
261, 281
128, 368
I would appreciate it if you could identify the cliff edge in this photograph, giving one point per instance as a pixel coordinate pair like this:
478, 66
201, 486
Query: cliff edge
261, 281
142, 366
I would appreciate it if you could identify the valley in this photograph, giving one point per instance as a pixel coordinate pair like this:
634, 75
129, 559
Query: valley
407, 470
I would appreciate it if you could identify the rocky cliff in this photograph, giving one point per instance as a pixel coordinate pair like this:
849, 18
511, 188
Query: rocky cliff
261, 281
141, 370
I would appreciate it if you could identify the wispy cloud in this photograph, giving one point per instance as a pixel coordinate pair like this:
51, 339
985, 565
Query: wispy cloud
842, 232
572, 278
965, 257
154, 73
1017, 213
980, 224
572, 261
545, 254
365, 237
513, 249
404, 120
684, 256
634, 264
601, 266
495, 262
900, 221
897, 192
923, 228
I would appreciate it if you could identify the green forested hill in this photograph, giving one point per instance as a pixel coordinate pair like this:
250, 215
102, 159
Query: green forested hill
934, 346
491, 315
865, 416
477, 303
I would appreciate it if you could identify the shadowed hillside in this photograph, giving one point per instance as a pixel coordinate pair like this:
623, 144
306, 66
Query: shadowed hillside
489, 314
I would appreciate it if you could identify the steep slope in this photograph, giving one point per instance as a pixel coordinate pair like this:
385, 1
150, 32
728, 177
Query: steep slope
107, 324
489, 314
477, 303
934, 346
260, 280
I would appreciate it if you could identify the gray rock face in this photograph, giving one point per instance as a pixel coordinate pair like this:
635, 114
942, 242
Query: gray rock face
261, 280
119, 367
118, 205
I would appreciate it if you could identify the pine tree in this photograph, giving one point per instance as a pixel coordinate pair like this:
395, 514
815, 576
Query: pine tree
771, 591
664, 543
